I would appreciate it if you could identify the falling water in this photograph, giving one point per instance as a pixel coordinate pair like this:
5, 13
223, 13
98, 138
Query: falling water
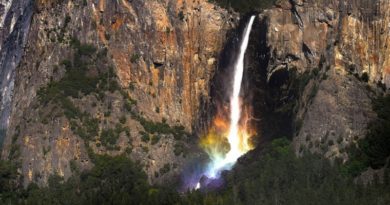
237, 139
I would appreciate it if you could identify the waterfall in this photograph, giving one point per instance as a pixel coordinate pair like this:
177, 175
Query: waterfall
237, 141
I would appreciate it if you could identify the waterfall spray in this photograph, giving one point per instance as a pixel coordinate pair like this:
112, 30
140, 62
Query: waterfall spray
236, 135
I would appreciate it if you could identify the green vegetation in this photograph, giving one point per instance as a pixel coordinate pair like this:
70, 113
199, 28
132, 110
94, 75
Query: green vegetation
278, 177
83, 77
160, 127
73, 166
14, 152
245, 5
77, 81
273, 176
123, 119
155, 139
108, 137
45, 150
129, 104
113, 180
135, 57
179, 149
365, 77
8, 181
165, 169
2, 136
132, 86
86, 74
167, 30
181, 16
374, 149
144, 136
87, 129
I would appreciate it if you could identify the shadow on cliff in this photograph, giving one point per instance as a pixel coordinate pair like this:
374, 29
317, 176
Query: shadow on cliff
255, 90
260, 94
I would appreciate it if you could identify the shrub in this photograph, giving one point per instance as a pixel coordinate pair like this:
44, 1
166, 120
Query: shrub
135, 57
155, 139
73, 166
179, 149
165, 169
8, 179
129, 104
339, 140
45, 150
181, 16
374, 149
91, 125
330, 143
67, 21
2, 136
161, 127
144, 136
107, 113
128, 150
86, 49
109, 137
365, 77
122, 119
131, 86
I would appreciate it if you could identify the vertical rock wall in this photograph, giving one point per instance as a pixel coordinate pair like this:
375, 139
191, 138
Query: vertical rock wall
15, 17
338, 51
163, 53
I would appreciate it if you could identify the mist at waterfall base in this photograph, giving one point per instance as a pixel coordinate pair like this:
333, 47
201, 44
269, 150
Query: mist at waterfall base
229, 135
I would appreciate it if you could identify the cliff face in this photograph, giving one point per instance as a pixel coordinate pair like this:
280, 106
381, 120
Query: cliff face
337, 53
130, 77
15, 17
162, 54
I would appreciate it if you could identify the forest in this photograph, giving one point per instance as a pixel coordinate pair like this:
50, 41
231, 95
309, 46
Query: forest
276, 176
272, 174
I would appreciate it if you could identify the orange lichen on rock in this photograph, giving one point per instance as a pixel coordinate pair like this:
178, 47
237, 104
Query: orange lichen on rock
117, 24
160, 16
100, 28
102, 34
155, 76
128, 7
387, 70
123, 66
102, 4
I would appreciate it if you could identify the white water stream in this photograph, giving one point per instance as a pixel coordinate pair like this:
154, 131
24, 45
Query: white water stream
237, 149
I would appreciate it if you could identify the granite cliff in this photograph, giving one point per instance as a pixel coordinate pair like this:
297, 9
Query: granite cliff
158, 57
338, 51
135, 77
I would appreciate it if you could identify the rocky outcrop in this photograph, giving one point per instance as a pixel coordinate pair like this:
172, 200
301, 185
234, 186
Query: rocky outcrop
340, 51
166, 49
316, 63
15, 17
163, 54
